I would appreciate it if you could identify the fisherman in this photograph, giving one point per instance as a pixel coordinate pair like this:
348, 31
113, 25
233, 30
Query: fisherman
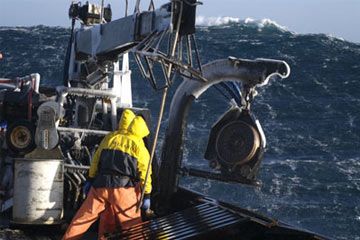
116, 174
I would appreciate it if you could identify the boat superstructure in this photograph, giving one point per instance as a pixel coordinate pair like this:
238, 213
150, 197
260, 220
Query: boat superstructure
59, 129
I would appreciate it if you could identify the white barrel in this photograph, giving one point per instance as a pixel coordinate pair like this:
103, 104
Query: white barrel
38, 191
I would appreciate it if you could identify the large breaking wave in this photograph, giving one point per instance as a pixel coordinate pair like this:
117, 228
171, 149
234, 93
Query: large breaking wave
218, 21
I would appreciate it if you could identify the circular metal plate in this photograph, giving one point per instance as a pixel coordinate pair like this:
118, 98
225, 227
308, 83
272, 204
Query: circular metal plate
237, 143
20, 137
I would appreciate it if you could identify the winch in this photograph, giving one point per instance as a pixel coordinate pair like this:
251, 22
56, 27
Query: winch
236, 144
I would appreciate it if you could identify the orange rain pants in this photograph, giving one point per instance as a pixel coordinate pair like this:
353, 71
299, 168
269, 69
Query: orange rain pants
122, 202
108, 222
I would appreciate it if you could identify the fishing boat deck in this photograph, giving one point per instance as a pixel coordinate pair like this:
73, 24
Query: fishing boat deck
207, 219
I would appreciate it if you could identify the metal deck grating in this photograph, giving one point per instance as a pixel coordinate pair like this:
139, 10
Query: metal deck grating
182, 225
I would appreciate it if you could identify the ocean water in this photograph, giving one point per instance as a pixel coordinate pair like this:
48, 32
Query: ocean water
311, 172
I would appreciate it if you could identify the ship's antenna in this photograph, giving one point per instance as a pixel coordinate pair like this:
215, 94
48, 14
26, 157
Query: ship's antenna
151, 6
137, 6
126, 7
102, 11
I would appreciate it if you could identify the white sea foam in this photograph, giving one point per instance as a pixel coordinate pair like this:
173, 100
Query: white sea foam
19, 29
333, 37
217, 21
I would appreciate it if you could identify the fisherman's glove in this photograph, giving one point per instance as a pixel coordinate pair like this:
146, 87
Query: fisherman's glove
87, 186
146, 203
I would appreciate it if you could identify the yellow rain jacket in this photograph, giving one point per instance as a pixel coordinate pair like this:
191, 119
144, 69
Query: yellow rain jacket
122, 158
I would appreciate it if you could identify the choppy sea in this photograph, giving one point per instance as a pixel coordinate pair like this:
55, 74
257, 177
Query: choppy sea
311, 172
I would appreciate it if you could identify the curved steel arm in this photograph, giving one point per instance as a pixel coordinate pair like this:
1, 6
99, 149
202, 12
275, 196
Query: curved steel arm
250, 72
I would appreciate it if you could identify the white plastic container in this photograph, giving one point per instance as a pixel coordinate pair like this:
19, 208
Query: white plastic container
38, 191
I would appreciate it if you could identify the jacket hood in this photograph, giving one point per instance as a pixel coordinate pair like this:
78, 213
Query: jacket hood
126, 118
139, 128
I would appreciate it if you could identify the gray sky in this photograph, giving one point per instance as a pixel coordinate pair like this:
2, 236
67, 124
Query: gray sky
340, 18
